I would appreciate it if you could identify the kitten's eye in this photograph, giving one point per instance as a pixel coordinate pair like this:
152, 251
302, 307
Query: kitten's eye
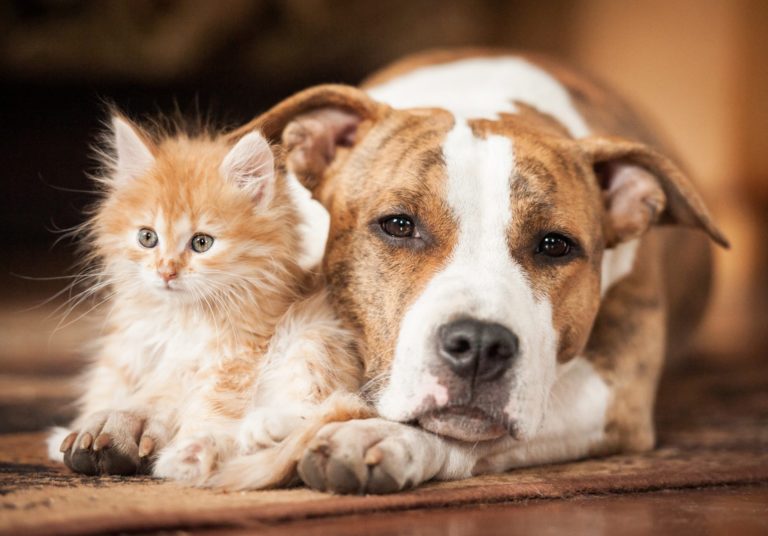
147, 238
201, 242
399, 226
555, 245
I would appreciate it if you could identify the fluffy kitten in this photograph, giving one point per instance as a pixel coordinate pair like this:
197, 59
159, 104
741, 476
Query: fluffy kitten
205, 352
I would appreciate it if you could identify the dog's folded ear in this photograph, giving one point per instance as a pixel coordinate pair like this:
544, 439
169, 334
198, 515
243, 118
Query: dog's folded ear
642, 187
311, 125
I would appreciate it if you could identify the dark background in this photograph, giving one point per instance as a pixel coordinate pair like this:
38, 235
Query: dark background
696, 67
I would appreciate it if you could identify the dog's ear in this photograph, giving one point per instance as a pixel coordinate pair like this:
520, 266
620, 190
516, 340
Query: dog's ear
311, 125
641, 187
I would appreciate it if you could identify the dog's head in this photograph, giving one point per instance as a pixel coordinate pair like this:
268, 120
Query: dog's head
469, 253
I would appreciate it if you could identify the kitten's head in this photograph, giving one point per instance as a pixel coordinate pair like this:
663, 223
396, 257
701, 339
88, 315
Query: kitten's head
192, 219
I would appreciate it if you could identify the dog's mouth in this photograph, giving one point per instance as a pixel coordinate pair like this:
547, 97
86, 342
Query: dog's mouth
465, 423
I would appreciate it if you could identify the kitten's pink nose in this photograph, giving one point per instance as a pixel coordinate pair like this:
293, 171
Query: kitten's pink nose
167, 271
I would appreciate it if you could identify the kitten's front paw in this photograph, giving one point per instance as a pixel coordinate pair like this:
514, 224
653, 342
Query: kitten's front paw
112, 443
189, 460
266, 427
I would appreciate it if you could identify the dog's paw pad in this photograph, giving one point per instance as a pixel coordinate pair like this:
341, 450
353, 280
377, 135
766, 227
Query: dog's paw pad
363, 456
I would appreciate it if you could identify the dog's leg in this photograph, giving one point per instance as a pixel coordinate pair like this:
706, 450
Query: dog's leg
627, 348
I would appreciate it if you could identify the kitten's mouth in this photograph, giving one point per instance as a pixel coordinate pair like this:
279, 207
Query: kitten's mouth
167, 286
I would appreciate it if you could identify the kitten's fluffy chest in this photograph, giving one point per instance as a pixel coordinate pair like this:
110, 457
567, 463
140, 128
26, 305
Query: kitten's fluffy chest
171, 346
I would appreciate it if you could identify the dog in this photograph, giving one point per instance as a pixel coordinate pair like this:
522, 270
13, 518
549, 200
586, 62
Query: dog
509, 242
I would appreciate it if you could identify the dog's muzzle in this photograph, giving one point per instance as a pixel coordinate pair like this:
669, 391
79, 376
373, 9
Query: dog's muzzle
476, 354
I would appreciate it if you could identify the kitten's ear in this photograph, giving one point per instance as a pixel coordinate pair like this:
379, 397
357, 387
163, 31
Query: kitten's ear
133, 156
251, 165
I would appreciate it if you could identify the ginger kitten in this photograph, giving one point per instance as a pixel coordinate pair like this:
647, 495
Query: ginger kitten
213, 344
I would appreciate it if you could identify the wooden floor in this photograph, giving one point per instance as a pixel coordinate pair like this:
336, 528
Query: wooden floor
739, 511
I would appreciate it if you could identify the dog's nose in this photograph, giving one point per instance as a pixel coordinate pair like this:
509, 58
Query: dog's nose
471, 347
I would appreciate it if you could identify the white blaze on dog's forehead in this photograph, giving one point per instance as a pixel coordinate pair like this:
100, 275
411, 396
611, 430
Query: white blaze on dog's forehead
480, 281
479, 174
617, 264
483, 88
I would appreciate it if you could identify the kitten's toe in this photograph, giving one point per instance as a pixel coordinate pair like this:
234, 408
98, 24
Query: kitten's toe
266, 427
191, 460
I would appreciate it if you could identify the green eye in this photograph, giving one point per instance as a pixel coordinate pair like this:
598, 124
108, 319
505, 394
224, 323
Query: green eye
201, 242
147, 238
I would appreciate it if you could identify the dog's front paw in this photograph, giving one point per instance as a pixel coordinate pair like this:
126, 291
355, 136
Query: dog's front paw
266, 427
113, 443
366, 456
190, 460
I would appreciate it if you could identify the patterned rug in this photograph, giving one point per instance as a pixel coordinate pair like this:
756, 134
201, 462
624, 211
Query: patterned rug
713, 430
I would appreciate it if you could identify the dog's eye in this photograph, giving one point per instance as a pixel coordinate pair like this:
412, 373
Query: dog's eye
398, 226
554, 245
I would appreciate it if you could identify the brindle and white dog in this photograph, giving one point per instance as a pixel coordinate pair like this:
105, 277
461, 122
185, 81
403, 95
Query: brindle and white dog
492, 241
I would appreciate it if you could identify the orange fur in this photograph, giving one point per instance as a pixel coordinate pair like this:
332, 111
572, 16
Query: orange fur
188, 334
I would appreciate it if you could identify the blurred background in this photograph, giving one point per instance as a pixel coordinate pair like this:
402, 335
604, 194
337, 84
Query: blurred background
696, 67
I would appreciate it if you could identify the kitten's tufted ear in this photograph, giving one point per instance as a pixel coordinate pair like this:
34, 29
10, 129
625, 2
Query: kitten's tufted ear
251, 165
133, 156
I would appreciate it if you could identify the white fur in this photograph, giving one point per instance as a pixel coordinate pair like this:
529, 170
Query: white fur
482, 88
481, 280
314, 226
132, 157
573, 425
250, 165
55, 436
617, 263
574, 421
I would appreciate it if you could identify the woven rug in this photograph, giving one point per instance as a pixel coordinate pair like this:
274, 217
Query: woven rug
713, 430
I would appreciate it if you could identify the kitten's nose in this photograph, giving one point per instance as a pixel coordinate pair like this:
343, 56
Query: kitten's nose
167, 271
